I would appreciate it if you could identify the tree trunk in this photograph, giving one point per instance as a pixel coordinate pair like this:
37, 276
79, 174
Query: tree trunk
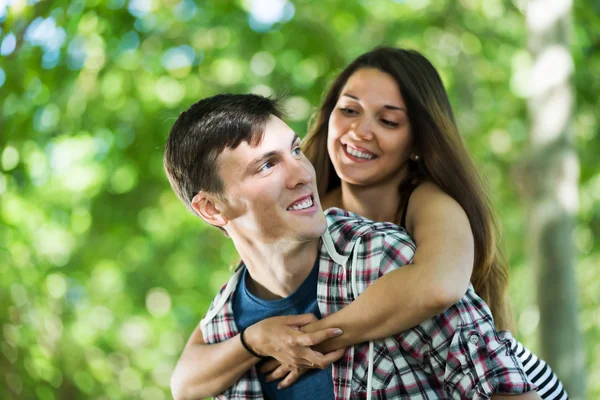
552, 176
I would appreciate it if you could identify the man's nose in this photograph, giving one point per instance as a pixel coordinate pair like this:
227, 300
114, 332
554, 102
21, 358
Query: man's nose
298, 174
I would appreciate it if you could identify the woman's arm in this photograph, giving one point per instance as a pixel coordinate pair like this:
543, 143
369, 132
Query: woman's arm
205, 370
533, 395
403, 298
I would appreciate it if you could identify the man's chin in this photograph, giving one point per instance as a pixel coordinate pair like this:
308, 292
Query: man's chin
312, 232
320, 224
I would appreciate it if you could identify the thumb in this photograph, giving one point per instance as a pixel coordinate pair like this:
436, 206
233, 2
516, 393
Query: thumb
332, 357
301, 319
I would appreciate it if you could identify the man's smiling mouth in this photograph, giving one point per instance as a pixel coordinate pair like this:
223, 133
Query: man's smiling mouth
301, 204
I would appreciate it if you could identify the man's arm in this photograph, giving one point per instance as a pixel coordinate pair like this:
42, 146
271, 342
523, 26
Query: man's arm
205, 370
192, 379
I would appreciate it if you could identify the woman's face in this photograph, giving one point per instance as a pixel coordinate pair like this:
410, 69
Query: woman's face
370, 139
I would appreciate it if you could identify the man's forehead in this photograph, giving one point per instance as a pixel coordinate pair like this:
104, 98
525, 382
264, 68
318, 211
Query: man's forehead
275, 136
234, 158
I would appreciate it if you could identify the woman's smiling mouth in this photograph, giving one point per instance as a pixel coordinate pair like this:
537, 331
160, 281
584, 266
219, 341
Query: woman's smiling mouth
356, 154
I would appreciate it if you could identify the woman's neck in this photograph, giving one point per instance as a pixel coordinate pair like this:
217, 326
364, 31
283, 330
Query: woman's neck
378, 203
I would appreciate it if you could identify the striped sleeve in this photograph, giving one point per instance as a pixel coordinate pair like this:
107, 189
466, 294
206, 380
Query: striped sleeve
539, 373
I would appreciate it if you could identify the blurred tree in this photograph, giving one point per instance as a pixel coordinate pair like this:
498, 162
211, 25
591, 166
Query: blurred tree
550, 185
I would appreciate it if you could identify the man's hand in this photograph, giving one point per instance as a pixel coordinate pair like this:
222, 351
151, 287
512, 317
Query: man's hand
276, 371
289, 375
281, 338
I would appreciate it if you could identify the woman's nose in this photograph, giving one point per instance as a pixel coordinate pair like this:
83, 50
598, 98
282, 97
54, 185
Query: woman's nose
362, 129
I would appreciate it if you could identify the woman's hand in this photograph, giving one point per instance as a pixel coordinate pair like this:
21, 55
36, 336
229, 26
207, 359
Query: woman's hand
281, 338
289, 375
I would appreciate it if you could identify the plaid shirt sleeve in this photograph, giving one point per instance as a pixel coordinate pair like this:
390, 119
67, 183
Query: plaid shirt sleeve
460, 346
480, 360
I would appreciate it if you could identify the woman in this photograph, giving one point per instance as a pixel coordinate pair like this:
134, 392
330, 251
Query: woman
385, 145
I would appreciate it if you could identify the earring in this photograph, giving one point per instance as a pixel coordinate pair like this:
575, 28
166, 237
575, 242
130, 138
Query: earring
416, 157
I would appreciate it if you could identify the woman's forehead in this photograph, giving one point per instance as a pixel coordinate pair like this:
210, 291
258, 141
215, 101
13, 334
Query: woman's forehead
368, 84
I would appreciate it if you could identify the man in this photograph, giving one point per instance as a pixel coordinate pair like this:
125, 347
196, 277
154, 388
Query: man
236, 164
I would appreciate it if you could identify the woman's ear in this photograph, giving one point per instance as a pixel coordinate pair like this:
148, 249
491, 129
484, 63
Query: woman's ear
208, 209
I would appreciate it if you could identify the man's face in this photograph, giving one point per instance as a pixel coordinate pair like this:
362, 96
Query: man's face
270, 190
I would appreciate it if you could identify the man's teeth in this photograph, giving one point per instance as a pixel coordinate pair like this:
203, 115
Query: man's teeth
359, 154
302, 205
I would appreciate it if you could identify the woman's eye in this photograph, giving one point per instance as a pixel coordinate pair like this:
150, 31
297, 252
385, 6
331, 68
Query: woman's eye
348, 111
391, 124
296, 151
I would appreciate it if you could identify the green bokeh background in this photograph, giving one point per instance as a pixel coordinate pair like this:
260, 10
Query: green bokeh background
104, 274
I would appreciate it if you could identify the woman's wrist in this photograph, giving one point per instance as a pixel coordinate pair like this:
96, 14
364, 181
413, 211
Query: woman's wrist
348, 338
250, 338
247, 346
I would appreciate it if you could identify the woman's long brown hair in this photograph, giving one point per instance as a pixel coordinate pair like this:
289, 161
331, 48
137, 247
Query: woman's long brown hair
443, 160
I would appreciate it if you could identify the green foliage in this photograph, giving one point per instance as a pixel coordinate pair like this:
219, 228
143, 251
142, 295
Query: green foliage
103, 273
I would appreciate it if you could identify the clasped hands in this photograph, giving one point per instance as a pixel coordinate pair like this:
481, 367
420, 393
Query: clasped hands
292, 351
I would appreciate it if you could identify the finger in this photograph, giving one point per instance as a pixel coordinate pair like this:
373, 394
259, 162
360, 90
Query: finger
296, 358
303, 358
309, 358
314, 338
332, 357
299, 320
279, 373
291, 378
268, 366
298, 362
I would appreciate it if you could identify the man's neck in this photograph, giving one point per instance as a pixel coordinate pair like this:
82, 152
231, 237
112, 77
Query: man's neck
276, 270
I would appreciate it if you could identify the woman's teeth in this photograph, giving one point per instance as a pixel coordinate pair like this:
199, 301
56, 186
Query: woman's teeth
359, 154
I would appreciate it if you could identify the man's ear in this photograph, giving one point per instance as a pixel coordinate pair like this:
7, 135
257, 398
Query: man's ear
209, 209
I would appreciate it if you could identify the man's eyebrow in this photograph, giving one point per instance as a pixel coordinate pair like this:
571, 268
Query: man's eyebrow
296, 137
254, 164
386, 106
257, 162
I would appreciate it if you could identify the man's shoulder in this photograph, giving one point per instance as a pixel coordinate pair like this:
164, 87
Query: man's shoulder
223, 296
235, 272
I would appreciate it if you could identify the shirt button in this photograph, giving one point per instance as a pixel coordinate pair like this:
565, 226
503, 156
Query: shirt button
474, 339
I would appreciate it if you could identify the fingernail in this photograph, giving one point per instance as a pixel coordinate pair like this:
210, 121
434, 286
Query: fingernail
279, 387
337, 332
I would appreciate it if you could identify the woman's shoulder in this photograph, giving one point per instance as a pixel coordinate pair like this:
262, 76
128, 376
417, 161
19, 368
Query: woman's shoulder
426, 188
428, 193
427, 196
427, 200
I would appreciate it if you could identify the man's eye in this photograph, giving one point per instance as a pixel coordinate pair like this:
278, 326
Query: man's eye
266, 166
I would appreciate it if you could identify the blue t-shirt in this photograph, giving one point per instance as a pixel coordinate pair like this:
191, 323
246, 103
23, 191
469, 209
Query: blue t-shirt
249, 309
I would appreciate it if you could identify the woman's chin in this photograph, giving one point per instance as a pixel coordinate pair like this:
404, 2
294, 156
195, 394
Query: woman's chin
355, 180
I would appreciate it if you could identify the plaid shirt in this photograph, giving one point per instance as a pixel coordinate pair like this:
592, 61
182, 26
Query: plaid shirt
457, 354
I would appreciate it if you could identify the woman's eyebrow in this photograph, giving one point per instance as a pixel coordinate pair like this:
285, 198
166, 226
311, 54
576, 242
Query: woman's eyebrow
387, 106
